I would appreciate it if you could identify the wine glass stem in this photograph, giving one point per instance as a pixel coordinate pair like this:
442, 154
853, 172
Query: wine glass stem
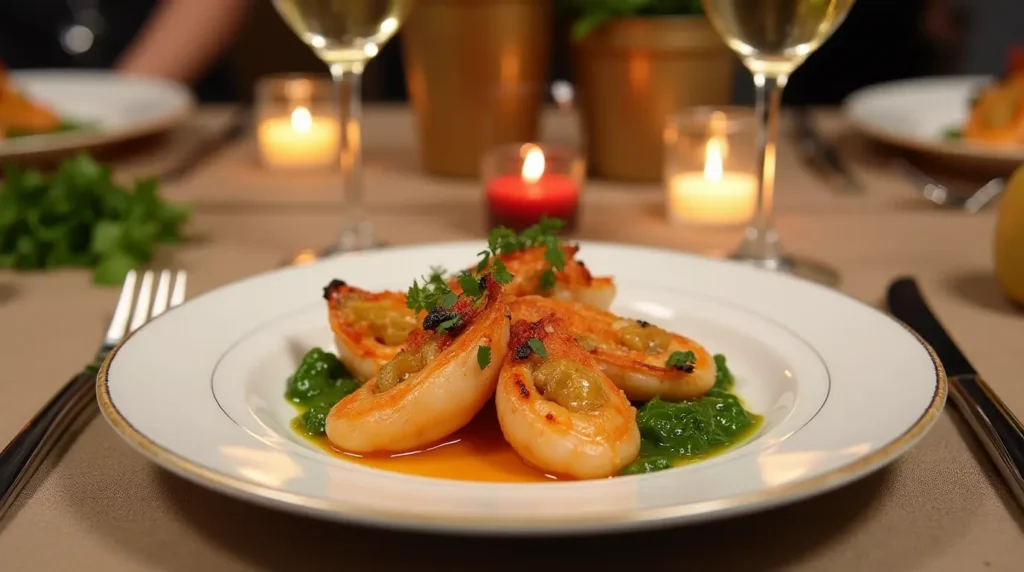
356, 230
760, 240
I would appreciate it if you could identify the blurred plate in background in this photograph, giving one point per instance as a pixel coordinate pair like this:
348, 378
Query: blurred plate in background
918, 114
108, 107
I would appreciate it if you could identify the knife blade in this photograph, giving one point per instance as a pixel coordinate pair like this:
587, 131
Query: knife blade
236, 127
822, 155
999, 430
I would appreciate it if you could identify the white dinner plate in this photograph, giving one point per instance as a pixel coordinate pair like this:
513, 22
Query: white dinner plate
111, 107
843, 388
915, 114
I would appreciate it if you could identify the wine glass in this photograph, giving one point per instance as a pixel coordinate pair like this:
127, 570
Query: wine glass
772, 38
345, 35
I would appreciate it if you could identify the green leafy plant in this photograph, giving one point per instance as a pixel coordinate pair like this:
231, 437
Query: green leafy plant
78, 216
592, 13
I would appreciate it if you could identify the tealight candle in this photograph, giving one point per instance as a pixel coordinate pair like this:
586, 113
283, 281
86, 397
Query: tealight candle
524, 184
706, 191
298, 140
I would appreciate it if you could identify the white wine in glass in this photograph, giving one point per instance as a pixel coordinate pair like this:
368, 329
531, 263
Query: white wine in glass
345, 35
772, 38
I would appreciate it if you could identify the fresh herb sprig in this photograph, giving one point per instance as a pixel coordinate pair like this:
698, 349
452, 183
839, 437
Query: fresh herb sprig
538, 347
433, 293
683, 361
79, 216
505, 241
483, 357
436, 297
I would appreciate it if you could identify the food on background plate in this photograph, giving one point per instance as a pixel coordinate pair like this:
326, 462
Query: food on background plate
21, 116
997, 111
79, 216
370, 328
558, 410
432, 387
641, 358
448, 405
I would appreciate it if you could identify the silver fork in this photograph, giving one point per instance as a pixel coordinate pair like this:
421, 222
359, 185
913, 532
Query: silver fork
20, 459
941, 195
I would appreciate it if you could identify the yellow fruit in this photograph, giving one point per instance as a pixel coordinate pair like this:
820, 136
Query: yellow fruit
1010, 238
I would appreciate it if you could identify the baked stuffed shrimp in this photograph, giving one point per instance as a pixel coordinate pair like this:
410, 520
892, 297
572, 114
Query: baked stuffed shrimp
370, 328
433, 386
573, 282
643, 360
558, 410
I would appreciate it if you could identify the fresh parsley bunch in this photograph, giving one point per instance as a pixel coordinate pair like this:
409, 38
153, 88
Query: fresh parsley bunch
78, 216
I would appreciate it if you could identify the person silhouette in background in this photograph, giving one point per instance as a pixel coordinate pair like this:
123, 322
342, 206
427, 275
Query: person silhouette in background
181, 40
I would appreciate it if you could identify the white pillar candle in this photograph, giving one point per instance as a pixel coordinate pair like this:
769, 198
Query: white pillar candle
299, 140
714, 197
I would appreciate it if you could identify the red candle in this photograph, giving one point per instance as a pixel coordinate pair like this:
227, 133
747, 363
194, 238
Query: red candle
520, 200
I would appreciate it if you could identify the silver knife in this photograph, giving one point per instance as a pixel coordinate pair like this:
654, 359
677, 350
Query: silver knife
237, 126
822, 155
995, 425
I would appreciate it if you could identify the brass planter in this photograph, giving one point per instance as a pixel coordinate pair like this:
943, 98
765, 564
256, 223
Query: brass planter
634, 72
475, 71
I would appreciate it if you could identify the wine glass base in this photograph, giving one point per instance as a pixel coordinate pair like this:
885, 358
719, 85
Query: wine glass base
806, 269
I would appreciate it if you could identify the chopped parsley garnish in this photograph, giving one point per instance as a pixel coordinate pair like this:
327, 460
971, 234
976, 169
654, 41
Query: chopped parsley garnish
449, 324
547, 279
683, 361
440, 319
470, 284
505, 241
483, 356
449, 300
500, 273
538, 347
433, 293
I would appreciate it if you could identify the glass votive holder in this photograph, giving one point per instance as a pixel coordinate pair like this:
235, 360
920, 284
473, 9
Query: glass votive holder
297, 122
524, 182
710, 175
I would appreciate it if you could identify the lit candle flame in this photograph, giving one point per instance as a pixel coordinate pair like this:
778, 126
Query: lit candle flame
717, 147
533, 164
713, 160
302, 120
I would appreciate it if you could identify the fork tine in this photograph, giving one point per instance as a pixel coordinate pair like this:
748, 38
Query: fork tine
119, 321
180, 281
141, 314
163, 292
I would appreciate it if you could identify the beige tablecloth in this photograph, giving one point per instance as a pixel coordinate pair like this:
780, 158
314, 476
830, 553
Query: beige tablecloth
100, 506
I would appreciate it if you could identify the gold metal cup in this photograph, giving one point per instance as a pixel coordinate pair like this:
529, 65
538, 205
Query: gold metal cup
475, 71
632, 74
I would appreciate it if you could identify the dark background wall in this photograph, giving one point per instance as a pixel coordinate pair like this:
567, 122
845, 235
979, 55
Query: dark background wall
881, 40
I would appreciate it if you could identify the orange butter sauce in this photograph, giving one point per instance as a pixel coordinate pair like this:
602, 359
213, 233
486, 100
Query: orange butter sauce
477, 452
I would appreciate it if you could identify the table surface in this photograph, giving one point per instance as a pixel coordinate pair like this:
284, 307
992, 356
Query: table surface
97, 505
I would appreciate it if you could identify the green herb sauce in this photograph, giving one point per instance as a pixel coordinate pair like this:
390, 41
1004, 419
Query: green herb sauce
678, 433
672, 434
318, 383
